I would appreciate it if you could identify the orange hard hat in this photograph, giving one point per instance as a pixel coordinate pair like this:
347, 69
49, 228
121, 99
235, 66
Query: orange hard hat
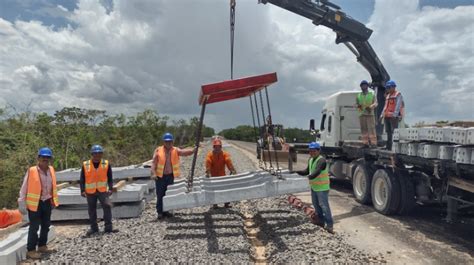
217, 142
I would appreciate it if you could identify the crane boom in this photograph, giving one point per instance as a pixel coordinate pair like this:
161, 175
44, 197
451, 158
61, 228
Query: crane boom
349, 31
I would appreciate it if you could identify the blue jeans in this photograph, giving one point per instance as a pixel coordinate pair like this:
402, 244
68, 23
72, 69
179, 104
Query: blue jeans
321, 204
161, 187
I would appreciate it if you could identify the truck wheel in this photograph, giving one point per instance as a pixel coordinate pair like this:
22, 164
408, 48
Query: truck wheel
407, 193
361, 181
385, 192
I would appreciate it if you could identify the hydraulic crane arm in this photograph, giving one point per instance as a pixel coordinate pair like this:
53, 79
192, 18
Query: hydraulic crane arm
349, 31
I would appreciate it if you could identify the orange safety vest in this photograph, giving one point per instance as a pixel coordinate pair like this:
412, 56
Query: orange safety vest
391, 103
96, 179
160, 154
33, 193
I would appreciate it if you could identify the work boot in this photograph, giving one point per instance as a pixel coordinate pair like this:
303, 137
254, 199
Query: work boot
160, 216
215, 206
109, 231
330, 229
33, 254
168, 214
227, 205
91, 232
45, 250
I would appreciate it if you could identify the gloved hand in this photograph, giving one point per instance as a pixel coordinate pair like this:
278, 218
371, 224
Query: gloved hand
22, 207
153, 176
233, 172
109, 192
208, 175
83, 194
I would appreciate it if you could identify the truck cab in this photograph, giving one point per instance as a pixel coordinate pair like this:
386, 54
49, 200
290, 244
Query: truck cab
340, 120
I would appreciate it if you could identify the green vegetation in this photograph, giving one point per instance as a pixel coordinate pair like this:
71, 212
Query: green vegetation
71, 132
247, 133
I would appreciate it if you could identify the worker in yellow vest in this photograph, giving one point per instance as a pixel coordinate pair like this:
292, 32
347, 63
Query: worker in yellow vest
318, 175
38, 196
366, 103
164, 168
96, 184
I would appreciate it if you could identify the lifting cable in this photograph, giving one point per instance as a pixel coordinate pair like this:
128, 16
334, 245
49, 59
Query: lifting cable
255, 130
260, 131
278, 171
232, 27
265, 126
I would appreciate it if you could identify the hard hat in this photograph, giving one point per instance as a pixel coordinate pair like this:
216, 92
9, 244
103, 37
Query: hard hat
168, 137
95, 149
217, 142
45, 152
364, 82
390, 83
314, 145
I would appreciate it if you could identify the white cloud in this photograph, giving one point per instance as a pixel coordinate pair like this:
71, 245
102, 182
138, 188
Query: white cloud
156, 54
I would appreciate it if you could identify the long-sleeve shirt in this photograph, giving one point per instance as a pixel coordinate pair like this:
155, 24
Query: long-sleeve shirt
216, 163
46, 185
110, 180
321, 165
168, 167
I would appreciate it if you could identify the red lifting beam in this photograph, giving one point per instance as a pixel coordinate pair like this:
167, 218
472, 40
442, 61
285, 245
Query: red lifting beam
233, 89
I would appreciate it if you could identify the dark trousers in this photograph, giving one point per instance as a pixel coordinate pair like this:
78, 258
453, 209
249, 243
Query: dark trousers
320, 201
41, 217
161, 187
390, 125
103, 197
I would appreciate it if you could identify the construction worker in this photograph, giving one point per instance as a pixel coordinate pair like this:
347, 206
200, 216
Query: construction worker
393, 110
38, 196
164, 168
317, 172
97, 184
216, 161
366, 103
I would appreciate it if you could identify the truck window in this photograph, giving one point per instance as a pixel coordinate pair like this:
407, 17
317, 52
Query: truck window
323, 120
329, 123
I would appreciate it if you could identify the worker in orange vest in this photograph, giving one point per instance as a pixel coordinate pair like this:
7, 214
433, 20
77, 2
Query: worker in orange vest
38, 196
216, 161
96, 183
164, 168
393, 110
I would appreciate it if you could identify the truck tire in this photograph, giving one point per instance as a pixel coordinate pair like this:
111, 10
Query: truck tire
385, 192
361, 183
407, 193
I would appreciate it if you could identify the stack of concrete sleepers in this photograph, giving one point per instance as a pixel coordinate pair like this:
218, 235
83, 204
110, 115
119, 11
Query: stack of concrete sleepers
127, 202
13, 247
444, 143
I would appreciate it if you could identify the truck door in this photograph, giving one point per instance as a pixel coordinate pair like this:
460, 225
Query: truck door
349, 123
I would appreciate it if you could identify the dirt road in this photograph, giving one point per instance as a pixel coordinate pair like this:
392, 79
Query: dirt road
421, 238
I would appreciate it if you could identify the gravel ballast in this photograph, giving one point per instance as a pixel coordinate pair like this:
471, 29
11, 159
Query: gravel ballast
204, 235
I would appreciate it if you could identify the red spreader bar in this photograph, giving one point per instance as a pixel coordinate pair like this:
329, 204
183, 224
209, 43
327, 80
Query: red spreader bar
233, 89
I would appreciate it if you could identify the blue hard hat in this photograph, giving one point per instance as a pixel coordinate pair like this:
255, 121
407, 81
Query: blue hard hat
45, 152
390, 83
168, 137
96, 149
314, 145
364, 82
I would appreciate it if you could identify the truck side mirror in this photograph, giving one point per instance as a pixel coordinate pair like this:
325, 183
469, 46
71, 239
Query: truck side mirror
311, 125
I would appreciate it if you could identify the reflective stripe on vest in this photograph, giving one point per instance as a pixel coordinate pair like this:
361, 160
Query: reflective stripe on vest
33, 192
321, 182
365, 100
391, 104
96, 179
161, 156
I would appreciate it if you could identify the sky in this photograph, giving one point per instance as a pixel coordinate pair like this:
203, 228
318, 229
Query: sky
127, 56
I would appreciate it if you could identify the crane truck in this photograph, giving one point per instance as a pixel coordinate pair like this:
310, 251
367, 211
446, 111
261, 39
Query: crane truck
425, 164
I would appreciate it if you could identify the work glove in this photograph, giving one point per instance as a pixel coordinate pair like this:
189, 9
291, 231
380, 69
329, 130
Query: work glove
83, 194
233, 172
208, 175
22, 207
153, 176
109, 192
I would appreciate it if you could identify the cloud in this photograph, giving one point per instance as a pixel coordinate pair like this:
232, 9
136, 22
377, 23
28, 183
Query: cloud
124, 56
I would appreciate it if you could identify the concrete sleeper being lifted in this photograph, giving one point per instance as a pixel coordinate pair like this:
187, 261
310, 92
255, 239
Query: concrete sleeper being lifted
250, 185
